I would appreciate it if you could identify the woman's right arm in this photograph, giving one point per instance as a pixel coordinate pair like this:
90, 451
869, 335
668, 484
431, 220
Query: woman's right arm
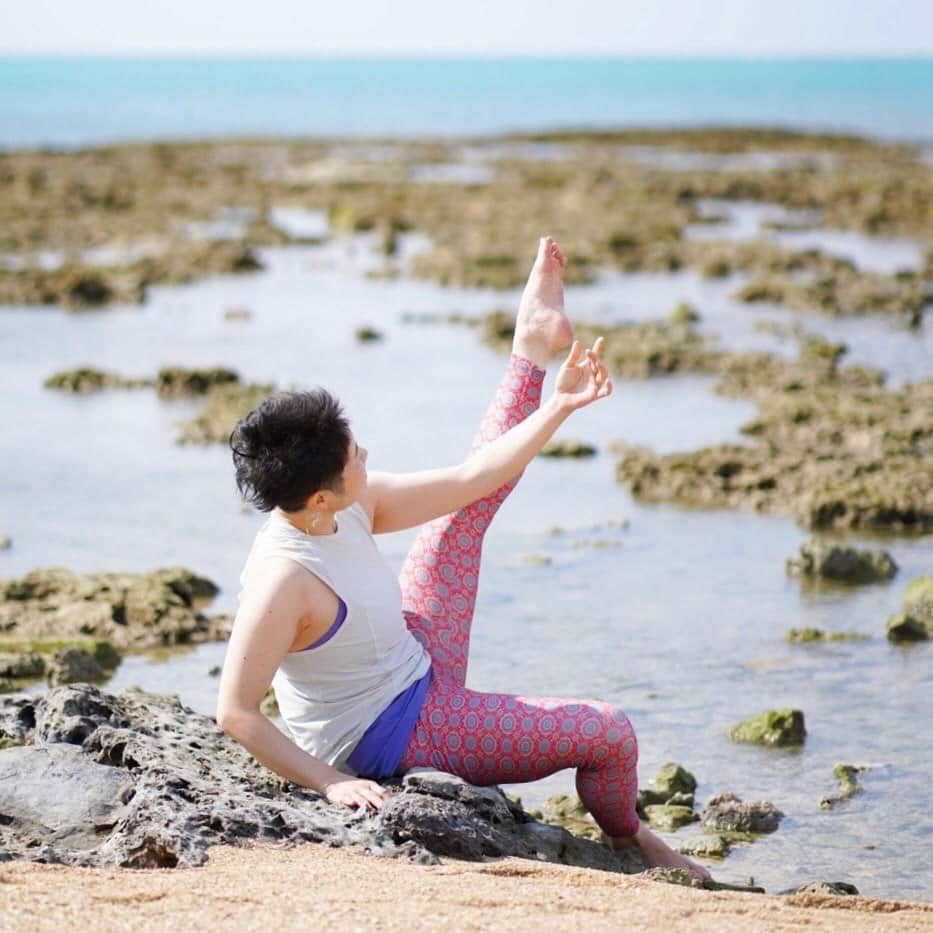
262, 635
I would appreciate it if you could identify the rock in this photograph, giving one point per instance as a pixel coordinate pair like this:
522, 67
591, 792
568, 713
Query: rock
844, 564
773, 727
6, 543
568, 812
576, 450
904, 628
669, 817
534, 560
146, 782
848, 785
56, 796
918, 600
214, 670
225, 406
130, 611
73, 665
726, 813
269, 705
674, 779
368, 335
26, 665
85, 380
684, 313
175, 382
713, 846
803, 636
237, 314
828, 887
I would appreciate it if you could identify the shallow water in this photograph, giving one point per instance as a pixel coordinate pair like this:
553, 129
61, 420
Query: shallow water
678, 617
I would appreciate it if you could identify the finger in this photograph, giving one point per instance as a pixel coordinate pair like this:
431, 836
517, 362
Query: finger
574, 356
599, 346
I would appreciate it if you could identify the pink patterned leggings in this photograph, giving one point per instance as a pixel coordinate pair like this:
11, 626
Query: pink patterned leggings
491, 738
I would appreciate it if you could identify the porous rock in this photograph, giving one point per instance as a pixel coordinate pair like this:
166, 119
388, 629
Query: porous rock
154, 784
823, 560
828, 887
726, 813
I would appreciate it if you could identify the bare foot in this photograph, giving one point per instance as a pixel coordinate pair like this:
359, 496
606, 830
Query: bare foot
658, 854
542, 328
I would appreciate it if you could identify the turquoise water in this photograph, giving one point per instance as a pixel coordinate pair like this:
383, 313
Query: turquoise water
83, 101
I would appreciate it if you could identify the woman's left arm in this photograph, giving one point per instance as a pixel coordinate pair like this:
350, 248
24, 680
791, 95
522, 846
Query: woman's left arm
398, 501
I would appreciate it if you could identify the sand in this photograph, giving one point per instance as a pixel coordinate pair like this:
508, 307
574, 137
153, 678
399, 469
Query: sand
312, 887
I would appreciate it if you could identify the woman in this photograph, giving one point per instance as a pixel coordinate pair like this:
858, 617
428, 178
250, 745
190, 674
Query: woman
370, 672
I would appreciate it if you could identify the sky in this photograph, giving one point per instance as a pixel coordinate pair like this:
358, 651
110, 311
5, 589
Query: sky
475, 27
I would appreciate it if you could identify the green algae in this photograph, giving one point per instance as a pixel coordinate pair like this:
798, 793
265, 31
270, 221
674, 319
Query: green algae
806, 636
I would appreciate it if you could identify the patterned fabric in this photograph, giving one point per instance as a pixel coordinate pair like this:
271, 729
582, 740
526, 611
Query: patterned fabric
491, 738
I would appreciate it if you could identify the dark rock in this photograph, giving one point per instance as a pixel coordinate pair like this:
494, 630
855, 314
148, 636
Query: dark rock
85, 380
73, 665
773, 727
844, 564
26, 665
726, 813
150, 783
568, 811
6, 542
828, 887
368, 335
905, 628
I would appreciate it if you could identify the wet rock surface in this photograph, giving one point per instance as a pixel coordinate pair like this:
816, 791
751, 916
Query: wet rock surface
828, 887
781, 727
153, 784
828, 561
729, 814
224, 407
55, 608
805, 636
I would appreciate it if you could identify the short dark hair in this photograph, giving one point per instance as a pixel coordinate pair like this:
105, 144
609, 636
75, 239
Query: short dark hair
292, 445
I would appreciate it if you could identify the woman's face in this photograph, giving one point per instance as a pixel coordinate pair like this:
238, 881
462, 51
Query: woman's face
354, 472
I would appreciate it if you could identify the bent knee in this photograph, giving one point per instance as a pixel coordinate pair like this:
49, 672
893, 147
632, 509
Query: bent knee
619, 735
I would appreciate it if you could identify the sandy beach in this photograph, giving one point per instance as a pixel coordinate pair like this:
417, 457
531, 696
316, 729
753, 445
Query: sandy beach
339, 889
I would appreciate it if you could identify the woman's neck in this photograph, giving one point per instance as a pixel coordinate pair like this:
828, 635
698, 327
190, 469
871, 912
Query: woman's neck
317, 524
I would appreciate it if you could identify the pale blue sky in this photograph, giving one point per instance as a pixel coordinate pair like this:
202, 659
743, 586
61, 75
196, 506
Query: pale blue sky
635, 27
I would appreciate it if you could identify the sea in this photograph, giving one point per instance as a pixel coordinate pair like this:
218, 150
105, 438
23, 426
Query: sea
678, 616
57, 101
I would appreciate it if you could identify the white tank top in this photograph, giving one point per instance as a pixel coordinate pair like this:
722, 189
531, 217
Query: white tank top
330, 695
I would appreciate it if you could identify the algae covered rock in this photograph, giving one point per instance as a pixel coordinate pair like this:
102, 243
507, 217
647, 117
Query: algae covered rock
84, 380
176, 382
130, 611
575, 450
684, 313
848, 785
783, 727
918, 599
568, 812
226, 404
669, 816
709, 846
727, 813
368, 335
673, 784
819, 559
805, 636
26, 665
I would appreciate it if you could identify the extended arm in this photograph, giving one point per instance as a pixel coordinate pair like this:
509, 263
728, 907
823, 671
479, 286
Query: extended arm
264, 630
398, 501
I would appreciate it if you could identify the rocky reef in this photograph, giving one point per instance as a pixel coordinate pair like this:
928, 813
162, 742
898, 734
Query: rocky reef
54, 609
915, 623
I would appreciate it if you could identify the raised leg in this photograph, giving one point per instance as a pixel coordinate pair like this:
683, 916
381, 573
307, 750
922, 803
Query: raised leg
440, 577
